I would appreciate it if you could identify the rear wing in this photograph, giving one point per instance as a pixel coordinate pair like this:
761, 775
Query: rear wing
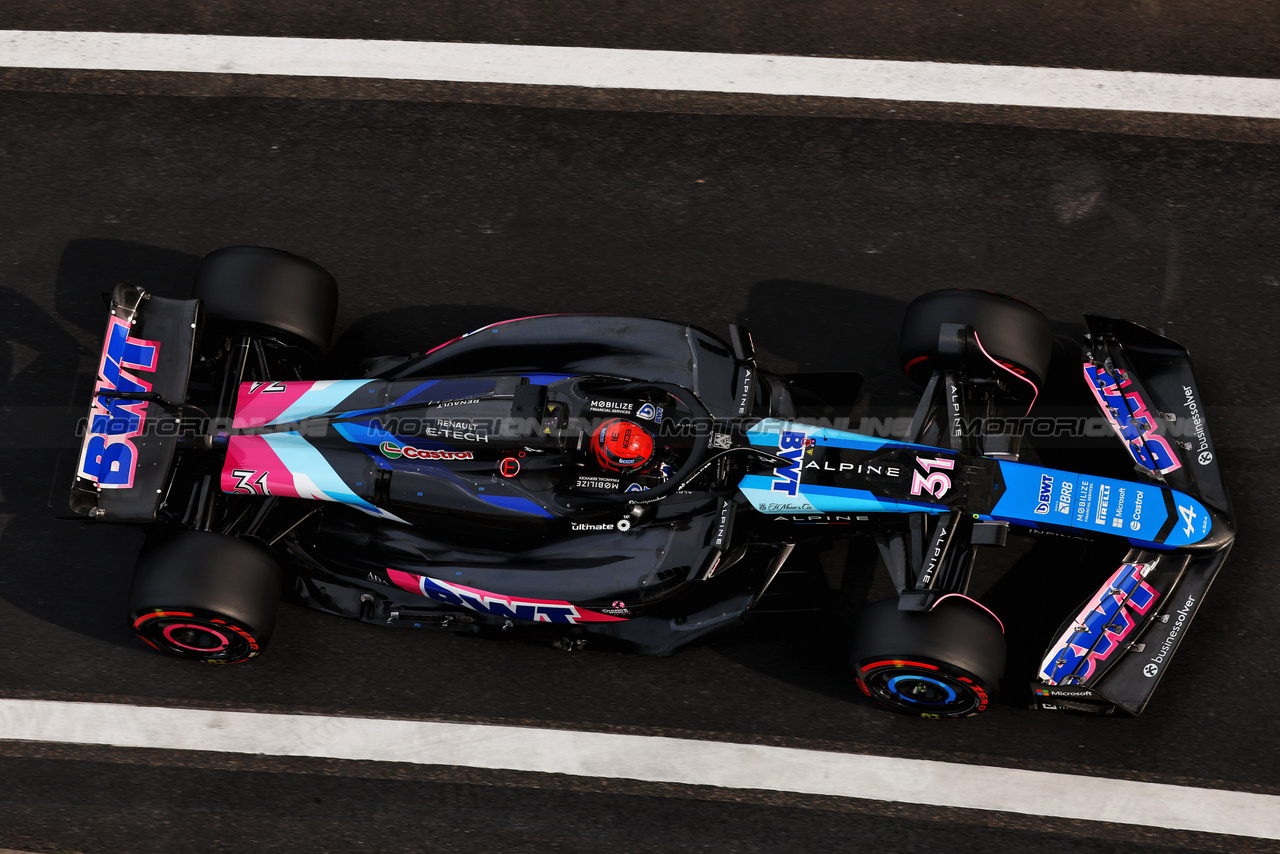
1112, 653
129, 442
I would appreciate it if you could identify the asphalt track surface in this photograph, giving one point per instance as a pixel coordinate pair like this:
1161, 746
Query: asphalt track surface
440, 217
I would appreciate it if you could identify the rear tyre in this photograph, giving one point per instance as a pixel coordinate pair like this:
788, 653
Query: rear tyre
1014, 334
270, 293
944, 663
205, 597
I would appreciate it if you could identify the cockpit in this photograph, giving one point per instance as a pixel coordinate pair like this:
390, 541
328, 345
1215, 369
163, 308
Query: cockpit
527, 447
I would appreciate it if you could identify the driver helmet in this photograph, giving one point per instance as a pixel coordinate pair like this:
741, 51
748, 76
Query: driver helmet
622, 445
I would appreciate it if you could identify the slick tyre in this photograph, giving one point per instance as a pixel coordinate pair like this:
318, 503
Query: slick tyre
205, 597
270, 293
1012, 333
944, 663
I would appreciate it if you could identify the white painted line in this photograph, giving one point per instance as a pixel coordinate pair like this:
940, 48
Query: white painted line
647, 69
633, 757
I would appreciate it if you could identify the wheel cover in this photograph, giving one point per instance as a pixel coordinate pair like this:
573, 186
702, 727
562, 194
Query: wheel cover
921, 688
195, 636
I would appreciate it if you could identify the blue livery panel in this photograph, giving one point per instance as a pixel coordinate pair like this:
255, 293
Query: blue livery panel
831, 471
1145, 513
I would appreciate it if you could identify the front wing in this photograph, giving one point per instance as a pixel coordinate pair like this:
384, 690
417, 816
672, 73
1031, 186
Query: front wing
1113, 653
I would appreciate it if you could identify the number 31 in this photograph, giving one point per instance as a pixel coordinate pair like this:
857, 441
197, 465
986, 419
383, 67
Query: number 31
935, 484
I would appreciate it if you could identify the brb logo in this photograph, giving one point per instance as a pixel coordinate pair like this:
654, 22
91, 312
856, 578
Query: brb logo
791, 445
1128, 414
1101, 627
108, 457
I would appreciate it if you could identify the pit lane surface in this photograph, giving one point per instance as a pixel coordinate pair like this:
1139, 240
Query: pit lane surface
438, 218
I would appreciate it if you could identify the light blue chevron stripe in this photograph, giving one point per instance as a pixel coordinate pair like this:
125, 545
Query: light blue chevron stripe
307, 464
322, 397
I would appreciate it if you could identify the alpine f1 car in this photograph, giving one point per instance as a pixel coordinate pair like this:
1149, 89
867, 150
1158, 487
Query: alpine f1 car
632, 480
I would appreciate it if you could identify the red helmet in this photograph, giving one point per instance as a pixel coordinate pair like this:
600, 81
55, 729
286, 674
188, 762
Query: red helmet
622, 445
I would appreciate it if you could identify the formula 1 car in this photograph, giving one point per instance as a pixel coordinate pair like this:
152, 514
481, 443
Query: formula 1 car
631, 480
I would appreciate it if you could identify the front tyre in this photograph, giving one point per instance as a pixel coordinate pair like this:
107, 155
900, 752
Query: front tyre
1013, 335
205, 597
944, 663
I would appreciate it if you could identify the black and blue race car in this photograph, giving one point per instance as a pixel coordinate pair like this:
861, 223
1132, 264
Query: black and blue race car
635, 481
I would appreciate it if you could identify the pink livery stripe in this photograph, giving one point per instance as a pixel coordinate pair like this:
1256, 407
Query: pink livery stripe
253, 468
259, 404
1035, 390
483, 328
287, 464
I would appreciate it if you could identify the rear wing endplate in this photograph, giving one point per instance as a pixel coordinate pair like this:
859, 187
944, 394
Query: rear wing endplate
128, 443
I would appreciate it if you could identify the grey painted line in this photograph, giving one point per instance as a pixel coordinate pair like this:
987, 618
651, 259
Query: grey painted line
605, 68
647, 758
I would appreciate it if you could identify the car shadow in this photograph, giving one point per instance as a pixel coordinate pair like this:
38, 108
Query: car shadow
90, 267
408, 330
58, 567
820, 327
